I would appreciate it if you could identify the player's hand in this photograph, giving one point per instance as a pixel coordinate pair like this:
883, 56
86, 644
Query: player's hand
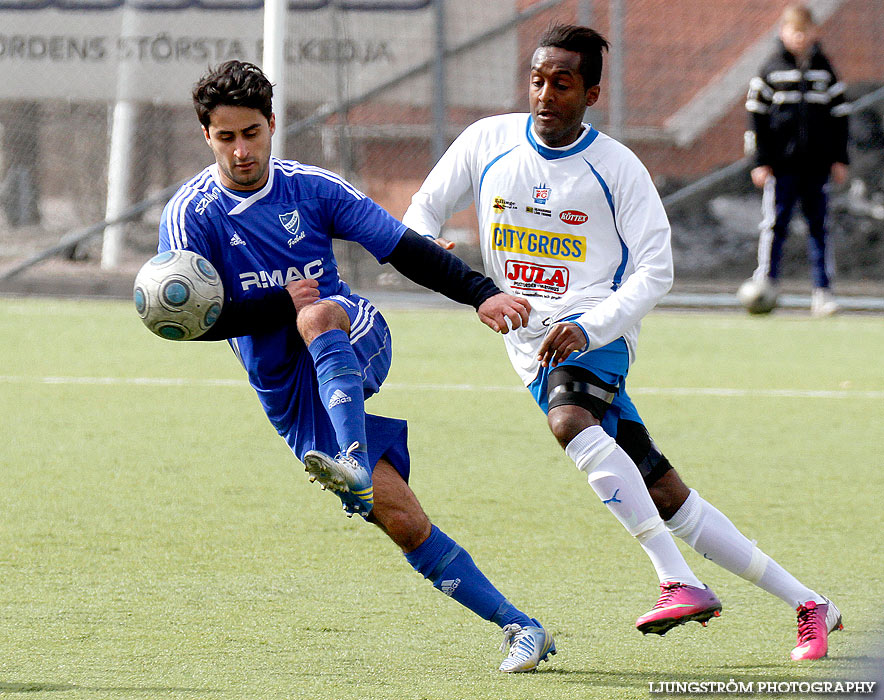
839, 173
760, 174
559, 343
444, 243
495, 311
303, 292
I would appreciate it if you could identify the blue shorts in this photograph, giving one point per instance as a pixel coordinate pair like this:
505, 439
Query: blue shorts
311, 428
610, 364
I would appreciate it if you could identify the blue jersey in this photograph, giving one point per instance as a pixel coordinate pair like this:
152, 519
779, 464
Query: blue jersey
267, 238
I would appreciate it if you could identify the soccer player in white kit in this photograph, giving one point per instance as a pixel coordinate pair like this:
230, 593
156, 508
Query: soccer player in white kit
570, 219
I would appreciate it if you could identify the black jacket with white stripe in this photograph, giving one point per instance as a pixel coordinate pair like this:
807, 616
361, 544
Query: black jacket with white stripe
798, 113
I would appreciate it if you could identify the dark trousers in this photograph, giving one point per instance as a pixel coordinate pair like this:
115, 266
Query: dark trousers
781, 193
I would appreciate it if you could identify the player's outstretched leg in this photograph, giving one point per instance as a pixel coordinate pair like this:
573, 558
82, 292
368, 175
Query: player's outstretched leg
452, 570
617, 481
708, 531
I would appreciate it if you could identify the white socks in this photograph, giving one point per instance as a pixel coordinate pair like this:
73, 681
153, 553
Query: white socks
617, 481
708, 530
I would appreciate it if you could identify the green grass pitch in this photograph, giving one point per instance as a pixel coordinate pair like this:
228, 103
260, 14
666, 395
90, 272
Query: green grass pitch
160, 541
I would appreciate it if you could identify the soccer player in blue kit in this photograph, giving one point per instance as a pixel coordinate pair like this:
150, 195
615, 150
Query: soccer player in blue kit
314, 350
570, 218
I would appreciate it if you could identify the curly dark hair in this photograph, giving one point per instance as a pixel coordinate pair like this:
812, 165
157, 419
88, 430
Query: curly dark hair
235, 83
583, 40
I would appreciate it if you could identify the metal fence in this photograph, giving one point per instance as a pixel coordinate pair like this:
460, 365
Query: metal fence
376, 89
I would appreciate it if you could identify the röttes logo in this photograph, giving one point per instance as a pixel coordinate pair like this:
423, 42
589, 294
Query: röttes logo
573, 217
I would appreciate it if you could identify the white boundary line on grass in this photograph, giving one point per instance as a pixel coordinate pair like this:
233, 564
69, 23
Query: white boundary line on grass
649, 391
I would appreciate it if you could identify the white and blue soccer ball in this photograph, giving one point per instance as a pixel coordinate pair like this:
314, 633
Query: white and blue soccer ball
758, 296
178, 294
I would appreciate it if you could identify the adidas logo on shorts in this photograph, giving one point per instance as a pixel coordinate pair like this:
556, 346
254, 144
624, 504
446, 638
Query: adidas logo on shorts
236, 240
338, 398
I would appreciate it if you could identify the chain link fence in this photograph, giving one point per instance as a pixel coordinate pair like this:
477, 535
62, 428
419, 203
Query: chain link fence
376, 88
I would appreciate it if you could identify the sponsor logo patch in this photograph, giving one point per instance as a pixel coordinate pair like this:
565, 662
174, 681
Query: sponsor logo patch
539, 211
207, 199
539, 244
540, 194
280, 278
500, 204
533, 277
573, 217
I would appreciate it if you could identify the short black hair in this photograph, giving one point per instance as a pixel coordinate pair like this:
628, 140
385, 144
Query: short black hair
583, 40
234, 83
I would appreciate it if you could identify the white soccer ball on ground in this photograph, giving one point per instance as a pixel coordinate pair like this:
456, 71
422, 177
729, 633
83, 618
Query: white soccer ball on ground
178, 294
757, 296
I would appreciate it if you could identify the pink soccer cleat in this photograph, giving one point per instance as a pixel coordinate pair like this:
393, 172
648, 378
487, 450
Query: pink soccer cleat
815, 622
679, 603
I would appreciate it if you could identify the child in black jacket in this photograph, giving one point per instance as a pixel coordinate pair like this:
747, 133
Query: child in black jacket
799, 119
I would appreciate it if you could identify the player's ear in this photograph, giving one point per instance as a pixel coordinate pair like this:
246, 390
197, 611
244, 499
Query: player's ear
206, 134
272, 123
592, 95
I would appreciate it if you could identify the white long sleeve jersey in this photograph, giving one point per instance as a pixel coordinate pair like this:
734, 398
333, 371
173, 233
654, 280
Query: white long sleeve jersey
580, 231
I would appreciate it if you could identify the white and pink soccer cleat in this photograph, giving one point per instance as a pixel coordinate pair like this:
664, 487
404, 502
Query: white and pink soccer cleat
816, 621
679, 603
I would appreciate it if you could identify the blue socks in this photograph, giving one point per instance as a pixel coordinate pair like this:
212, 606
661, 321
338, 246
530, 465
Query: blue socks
452, 570
340, 387
440, 559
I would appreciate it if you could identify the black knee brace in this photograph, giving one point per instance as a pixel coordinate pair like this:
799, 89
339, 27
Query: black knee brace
575, 386
635, 441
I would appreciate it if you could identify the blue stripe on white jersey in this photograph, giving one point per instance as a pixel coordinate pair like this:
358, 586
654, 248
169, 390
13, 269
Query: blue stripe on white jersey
488, 167
624, 251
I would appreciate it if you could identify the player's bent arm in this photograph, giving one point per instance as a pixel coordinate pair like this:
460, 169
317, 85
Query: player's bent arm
644, 228
272, 310
263, 314
613, 316
447, 189
422, 261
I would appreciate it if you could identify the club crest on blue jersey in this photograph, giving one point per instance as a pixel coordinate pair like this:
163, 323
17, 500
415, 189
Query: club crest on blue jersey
540, 194
291, 222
